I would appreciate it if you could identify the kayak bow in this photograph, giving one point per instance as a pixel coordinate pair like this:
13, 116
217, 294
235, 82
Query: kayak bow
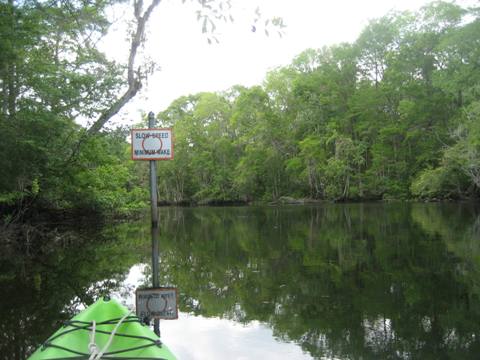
104, 330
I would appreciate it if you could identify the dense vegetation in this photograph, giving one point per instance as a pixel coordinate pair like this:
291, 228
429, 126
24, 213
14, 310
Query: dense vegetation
52, 76
393, 115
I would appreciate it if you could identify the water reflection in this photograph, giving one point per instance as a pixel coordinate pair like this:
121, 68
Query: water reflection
346, 281
47, 272
366, 281
200, 338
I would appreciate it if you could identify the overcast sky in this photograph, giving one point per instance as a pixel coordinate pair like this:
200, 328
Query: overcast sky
190, 65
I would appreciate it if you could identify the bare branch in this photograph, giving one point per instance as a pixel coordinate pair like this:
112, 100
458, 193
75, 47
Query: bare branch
134, 78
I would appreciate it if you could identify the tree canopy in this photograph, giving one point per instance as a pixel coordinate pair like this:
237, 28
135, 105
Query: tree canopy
54, 77
392, 115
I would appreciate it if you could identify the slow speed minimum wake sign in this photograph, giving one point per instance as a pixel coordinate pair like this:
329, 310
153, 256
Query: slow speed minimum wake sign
152, 144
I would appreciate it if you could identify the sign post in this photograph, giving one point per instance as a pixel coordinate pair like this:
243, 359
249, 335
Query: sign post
154, 144
155, 229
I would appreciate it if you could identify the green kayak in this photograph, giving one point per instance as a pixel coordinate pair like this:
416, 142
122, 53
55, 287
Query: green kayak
105, 330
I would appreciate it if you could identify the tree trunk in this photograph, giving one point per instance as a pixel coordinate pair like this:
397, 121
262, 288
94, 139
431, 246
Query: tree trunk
12, 91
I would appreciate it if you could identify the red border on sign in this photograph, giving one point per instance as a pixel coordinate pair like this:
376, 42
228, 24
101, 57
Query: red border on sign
151, 158
160, 289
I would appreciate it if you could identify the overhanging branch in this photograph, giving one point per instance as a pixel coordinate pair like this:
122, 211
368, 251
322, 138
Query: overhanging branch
134, 78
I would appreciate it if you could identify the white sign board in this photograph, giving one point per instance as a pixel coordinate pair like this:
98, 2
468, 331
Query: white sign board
157, 303
152, 144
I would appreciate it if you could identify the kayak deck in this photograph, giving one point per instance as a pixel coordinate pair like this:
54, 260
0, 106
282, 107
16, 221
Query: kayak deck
131, 339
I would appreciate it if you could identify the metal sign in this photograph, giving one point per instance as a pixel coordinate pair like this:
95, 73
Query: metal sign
152, 144
157, 303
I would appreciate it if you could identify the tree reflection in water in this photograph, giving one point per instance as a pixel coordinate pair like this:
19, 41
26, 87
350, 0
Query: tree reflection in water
370, 281
48, 272
345, 281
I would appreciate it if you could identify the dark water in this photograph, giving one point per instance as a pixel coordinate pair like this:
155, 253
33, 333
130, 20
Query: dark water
361, 281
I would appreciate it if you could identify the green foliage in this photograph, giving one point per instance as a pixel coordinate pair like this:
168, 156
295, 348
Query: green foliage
393, 115
459, 172
430, 183
369, 120
51, 74
103, 177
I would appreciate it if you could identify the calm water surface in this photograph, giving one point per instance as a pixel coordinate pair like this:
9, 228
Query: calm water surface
360, 281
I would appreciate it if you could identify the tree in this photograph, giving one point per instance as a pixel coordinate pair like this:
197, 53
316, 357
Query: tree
459, 172
52, 75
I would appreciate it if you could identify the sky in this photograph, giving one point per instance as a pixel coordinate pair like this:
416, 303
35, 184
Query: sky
189, 64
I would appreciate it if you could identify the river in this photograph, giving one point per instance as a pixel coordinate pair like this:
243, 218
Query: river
333, 281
